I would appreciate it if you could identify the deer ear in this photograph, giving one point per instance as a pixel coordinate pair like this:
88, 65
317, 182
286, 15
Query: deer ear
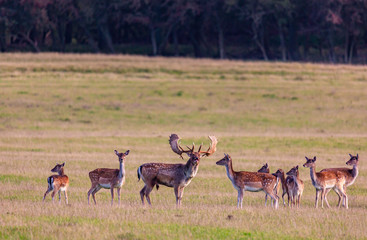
63, 164
306, 158
350, 155
116, 152
357, 155
314, 159
127, 152
266, 164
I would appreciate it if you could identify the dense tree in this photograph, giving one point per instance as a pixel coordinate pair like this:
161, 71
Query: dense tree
329, 30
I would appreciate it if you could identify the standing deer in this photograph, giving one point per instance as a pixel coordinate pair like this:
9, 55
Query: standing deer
265, 169
57, 183
280, 174
177, 176
351, 174
250, 181
326, 180
295, 187
108, 178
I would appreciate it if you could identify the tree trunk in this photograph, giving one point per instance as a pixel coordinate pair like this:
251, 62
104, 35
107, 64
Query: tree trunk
153, 39
2, 36
105, 33
32, 43
332, 57
175, 42
220, 38
282, 42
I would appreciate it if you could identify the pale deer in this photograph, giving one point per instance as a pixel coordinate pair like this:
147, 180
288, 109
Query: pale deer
58, 183
177, 176
295, 188
280, 174
108, 178
326, 180
250, 181
351, 174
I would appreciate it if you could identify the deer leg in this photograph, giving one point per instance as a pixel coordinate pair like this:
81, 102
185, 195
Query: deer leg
283, 198
94, 194
147, 192
180, 194
47, 191
91, 190
142, 194
317, 197
119, 194
326, 201
111, 195
176, 190
59, 192
274, 197
66, 197
240, 198
266, 198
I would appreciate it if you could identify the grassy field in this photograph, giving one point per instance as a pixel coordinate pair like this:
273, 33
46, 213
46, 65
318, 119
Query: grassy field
77, 109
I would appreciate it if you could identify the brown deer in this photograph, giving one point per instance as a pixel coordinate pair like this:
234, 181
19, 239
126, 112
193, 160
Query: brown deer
326, 180
250, 181
280, 174
351, 174
177, 176
108, 178
58, 183
265, 169
295, 187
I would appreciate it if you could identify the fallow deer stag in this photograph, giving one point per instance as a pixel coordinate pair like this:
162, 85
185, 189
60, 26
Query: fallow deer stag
58, 183
351, 174
177, 176
280, 174
250, 181
108, 178
326, 180
295, 186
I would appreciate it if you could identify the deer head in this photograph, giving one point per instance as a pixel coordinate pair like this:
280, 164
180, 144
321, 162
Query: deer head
310, 162
293, 171
58, 167
194, 155
224, 161
353, 160
122, 156
279, 173
264, 169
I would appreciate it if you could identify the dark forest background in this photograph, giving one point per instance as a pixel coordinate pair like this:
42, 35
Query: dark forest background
288, 30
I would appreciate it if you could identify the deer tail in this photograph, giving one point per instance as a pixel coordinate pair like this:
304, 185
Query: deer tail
139, 173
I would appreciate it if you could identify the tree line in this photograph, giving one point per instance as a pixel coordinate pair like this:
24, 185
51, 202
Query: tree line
288, 30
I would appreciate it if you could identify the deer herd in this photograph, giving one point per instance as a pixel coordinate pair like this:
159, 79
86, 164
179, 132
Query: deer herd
178, 176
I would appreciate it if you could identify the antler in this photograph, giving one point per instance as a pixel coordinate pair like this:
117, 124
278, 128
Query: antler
212, 148
175, 145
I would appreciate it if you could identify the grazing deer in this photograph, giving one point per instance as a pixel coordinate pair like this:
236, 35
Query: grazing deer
250, 181
108, 178
326, 180
57, 183
177, 176
280, 174
295, 187
351, 174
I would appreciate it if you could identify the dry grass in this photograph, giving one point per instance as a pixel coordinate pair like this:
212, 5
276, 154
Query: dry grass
79, 108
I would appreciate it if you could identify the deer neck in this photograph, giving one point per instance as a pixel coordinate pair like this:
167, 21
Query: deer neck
313, 175
122, 170
230, 172
282, 178
61, 172
190, 170
354, 174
